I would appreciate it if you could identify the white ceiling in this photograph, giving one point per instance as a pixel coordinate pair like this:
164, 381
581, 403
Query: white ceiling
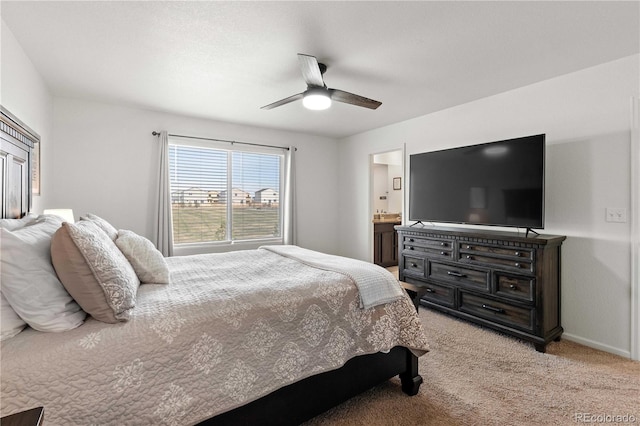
224, 60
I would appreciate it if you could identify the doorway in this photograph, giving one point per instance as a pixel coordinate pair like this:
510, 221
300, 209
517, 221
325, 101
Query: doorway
386, 205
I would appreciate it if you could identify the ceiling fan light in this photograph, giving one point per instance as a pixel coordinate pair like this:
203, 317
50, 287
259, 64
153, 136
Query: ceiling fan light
316, 99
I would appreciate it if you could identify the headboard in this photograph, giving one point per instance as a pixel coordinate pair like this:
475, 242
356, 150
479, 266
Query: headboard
17, 143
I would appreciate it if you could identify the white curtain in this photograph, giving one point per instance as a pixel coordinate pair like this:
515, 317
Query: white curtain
163, 233
289, 208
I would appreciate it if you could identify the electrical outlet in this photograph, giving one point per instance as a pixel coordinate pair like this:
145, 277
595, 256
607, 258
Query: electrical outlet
616, 215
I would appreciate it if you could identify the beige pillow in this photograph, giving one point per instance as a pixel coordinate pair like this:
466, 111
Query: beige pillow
147, 261
102, 224
94, 271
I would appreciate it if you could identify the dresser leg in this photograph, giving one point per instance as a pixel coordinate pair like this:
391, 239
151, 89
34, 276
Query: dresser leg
540, 347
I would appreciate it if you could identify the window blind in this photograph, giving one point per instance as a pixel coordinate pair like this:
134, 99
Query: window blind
224, 195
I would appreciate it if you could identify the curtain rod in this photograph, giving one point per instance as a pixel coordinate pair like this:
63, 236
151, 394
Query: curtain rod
154, 133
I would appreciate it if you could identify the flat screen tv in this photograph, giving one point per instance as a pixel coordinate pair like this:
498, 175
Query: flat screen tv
498, 183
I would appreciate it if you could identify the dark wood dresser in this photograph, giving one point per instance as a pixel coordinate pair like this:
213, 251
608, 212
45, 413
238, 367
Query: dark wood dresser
502, 280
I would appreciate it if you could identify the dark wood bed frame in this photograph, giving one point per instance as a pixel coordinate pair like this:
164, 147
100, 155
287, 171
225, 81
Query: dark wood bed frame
17, 142
301, 401
290, 405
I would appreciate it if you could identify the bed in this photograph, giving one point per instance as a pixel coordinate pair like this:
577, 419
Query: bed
269, 336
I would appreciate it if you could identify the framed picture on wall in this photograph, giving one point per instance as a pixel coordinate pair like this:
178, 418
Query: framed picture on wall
397, 183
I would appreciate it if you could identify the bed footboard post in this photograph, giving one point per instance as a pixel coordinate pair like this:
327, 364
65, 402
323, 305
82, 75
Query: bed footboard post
410, 379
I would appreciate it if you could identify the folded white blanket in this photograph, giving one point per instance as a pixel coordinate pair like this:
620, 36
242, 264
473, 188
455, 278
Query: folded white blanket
375, 284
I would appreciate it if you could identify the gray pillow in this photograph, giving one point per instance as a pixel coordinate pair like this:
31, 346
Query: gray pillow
94, 271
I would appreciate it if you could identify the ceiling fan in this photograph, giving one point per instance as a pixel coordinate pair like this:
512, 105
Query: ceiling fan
318, 96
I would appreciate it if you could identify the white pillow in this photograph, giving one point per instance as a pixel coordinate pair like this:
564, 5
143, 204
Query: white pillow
10, 323
147, 261
29, 281
13, 224
102, 224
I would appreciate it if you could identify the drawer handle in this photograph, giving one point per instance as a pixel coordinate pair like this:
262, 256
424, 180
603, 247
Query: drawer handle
410, 247
517, 264
468, 247
517, 253
456, 274
469, 257
443, 253
411, 240
492, 309
414, 265
513, 287
429, 290
443, 244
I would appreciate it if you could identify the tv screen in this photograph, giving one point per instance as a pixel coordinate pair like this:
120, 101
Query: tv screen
497, 183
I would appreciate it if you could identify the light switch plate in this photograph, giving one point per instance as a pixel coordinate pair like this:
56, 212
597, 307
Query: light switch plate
616, 215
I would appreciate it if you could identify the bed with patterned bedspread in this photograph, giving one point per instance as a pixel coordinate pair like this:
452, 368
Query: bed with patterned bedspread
256, 337
228, 329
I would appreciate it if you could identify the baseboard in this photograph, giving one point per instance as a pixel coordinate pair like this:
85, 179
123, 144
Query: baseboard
596, 345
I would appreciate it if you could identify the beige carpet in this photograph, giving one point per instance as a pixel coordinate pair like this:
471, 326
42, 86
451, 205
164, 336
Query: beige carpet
474, 376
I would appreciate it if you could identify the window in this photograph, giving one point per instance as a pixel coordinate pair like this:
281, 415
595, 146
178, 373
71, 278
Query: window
224, 195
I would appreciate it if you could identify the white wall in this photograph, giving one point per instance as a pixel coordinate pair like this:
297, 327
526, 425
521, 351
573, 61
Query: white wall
395, 196
380, 188
585, 116
105, 163
25, 94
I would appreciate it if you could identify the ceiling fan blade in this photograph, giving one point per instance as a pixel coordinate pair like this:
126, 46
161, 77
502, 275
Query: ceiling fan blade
284, 101
310, 70
350, 98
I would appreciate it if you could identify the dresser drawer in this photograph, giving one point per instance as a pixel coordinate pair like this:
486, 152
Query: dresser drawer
429, 251
434, 243
503, 313
516, 253
497, 262
442, 295
510, 258
413, 266
514, 287
472, 278
428, 246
